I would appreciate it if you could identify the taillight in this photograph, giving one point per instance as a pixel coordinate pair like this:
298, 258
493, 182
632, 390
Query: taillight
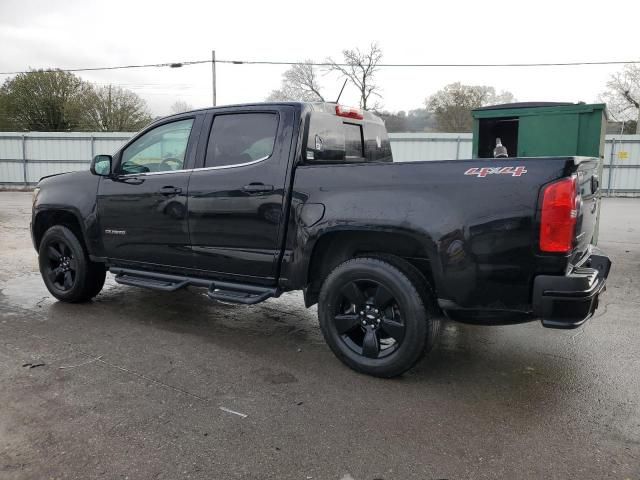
349, 112
559, 215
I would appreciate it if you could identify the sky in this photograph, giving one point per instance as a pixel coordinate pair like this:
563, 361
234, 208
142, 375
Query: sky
75, 34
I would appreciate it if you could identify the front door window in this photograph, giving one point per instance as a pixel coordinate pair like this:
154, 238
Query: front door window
159, 150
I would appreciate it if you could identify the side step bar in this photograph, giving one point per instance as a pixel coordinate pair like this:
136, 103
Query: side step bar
230, 292
148, 282
243, 294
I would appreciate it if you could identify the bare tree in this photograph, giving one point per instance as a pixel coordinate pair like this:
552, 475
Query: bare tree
114, 109
360, 67
299, 83
453, 104
180, 106
623, 95
497, 98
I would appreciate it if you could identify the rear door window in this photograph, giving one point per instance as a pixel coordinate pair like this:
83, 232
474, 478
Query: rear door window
240, 138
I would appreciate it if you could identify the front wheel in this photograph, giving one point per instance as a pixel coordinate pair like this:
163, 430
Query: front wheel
372, 315
67, 272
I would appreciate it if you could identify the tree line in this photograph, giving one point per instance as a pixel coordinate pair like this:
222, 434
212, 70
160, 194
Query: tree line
54, 100
58, 101
447, 110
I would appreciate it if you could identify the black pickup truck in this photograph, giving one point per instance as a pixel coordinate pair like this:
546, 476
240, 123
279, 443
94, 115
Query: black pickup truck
250, 201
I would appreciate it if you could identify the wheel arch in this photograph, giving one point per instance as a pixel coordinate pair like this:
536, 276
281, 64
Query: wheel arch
335, 247
45, 219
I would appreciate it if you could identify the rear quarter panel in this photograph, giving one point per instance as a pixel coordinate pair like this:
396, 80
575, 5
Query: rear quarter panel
478, 232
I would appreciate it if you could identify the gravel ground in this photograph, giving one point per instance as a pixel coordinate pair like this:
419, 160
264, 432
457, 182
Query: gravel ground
145, 385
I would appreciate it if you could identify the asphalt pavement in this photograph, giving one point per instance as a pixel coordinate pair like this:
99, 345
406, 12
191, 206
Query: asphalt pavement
145, 385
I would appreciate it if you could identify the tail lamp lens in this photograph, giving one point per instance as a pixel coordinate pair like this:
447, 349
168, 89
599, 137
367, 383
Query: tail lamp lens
559, 216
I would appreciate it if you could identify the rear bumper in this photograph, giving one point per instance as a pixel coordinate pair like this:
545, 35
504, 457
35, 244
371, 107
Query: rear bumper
570, 300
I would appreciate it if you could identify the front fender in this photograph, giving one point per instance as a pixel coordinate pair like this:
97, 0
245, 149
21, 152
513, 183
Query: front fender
74, 194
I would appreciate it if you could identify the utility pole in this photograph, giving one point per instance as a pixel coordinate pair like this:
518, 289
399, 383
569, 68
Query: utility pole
109, 116
213, 75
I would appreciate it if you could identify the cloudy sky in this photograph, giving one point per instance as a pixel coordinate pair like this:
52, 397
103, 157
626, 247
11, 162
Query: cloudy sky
72, 33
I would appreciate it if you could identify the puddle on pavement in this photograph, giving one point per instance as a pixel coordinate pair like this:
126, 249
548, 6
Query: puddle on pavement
28, 291
283, 316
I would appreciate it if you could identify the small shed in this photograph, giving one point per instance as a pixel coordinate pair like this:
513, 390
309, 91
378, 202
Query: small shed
540, 129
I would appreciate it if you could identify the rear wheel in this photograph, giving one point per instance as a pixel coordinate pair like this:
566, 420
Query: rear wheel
67, 272
374, 318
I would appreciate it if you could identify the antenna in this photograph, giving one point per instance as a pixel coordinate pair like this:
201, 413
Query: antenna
342, 89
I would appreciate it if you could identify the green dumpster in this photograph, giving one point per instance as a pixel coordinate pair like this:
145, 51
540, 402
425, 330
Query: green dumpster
541, 129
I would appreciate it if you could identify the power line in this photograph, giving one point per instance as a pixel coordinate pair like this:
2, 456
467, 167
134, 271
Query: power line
328, 64
119, 67
434, 65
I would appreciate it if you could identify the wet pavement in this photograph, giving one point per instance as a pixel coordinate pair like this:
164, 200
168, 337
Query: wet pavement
146, 385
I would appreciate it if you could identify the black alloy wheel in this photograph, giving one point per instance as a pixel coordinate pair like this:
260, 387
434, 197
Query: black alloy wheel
368, 319
61, 267
373, 314
66, 269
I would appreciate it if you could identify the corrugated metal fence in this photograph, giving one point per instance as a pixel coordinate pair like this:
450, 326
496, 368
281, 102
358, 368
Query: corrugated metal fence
622, 165
26, 157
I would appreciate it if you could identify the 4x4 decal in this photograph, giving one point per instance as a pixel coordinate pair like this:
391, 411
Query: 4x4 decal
484, 171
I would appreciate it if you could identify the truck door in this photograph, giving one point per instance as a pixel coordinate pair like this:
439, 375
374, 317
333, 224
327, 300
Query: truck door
237, 195
142, 209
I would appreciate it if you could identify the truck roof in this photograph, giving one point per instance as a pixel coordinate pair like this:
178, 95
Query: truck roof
324, 107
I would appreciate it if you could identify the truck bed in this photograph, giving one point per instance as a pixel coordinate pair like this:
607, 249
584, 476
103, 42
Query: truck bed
474, 222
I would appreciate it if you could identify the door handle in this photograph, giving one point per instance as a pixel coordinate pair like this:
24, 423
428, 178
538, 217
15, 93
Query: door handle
170, 190
258, 188
129, 180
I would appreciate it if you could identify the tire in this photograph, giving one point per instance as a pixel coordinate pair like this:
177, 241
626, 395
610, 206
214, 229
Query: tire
67, 272
373, 315
98, 277
426, 292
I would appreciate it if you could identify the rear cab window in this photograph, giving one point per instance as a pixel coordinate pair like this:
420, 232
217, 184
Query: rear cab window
353, 145
333, 139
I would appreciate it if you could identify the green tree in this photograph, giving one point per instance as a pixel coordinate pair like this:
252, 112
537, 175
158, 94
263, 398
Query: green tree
453, 104
43, 100
417, 120
394, 122
6, 122
114, 109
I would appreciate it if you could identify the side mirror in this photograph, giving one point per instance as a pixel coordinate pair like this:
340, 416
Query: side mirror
101, 165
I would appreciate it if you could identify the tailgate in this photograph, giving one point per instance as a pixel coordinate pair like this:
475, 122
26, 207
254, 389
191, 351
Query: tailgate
589, 209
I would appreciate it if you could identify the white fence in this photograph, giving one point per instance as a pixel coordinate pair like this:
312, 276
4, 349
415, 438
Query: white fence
409, 147
26, 157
